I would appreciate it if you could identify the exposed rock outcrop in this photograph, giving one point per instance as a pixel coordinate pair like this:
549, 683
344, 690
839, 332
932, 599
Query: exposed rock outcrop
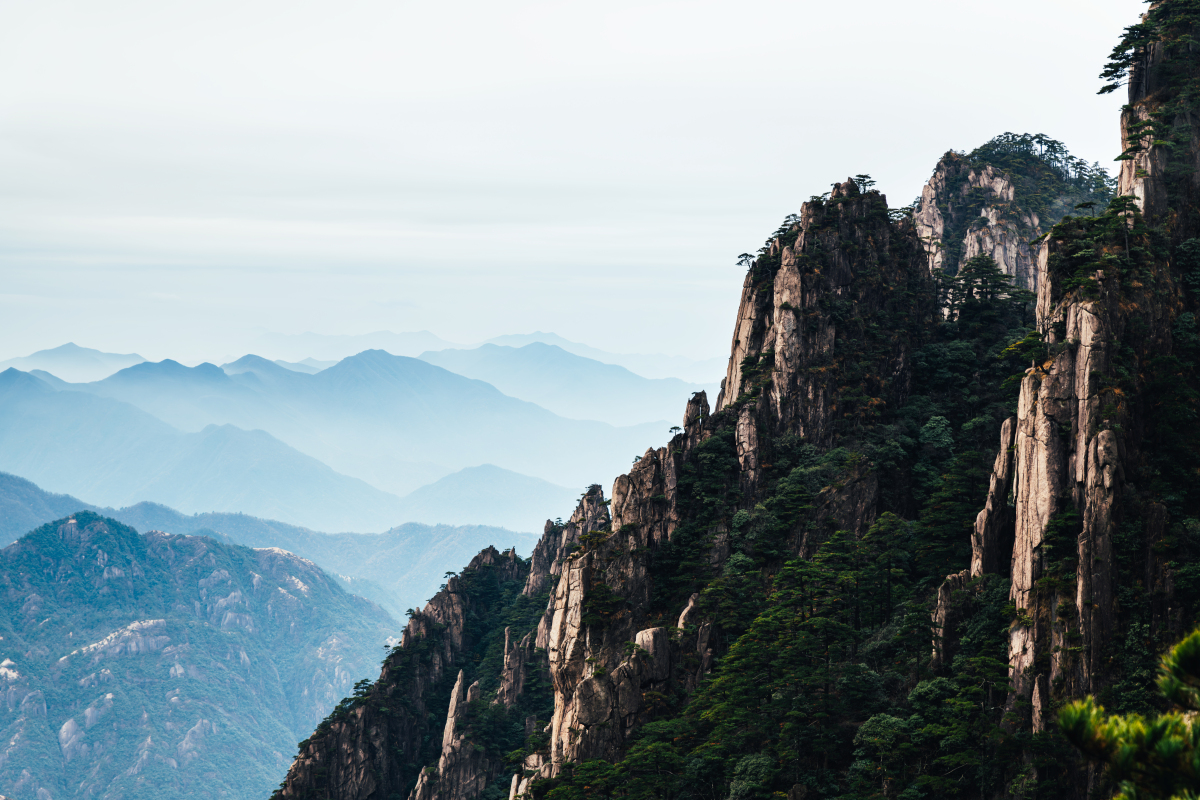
372, 747
841, 263
558, 541
1074, 446
992, 537
965, 211
462, 769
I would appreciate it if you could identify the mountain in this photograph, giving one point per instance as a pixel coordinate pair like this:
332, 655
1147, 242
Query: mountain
399, 567
488, 494
927, 510
24, 506
648, 365
116, 454
73, 363
309, 365
397, 423
570, 385
396, 569
153, 665
298, 347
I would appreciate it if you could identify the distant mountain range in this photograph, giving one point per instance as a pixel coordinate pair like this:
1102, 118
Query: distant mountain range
397, 423
399, 569
489, 494
310, 366
396, 569
366, 443
116, 455
571, 385
153, 665
648, 365
297, 347
73, 363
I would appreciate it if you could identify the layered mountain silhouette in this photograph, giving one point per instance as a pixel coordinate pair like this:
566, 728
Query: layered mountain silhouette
301, 346
571, 385
70, 362
397, 569
116, 454
488, 493
648, 365
397, 423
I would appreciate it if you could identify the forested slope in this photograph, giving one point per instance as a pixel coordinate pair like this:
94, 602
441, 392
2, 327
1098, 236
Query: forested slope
926, 508
153, 665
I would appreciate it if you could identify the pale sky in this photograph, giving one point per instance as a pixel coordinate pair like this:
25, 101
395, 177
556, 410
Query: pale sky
176, 177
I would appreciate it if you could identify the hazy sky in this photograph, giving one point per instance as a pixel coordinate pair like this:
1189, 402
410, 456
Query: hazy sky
174, 176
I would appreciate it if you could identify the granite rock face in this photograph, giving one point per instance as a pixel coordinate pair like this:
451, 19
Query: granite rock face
1065, 462
373, 748
600, 644
965, 211
462, 770
815, 354
841, 263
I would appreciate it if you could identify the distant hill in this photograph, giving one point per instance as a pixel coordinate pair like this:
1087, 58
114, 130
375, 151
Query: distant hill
406, 563
297, 347
571, 385
489, 494
155, 665
310, 366
115, 454
73, 363
397, 569
24, 506
397, 423
648, 365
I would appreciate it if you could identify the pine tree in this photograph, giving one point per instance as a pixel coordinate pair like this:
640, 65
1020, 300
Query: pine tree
1150, 758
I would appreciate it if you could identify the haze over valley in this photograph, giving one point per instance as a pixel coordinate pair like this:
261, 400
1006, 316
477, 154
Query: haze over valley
360, 444
623, 401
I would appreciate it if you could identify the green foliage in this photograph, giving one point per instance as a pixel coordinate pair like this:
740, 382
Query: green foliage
1048, 178
1169, 26
1048, 182
1155, 757
708, 488
246, 677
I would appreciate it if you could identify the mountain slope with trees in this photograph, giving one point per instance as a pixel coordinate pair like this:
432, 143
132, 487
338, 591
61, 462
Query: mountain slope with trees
396, 569
152, 665
925, 510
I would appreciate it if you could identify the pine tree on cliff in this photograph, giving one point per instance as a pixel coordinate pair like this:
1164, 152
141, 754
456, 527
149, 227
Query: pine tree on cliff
1150, 758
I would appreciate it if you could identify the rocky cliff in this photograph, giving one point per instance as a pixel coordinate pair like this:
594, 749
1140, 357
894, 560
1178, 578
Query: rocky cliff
1091, 515
624, 627
966, 210
998, 199
748, 614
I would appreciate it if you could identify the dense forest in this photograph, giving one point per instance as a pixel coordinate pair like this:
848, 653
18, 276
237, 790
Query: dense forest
928, 511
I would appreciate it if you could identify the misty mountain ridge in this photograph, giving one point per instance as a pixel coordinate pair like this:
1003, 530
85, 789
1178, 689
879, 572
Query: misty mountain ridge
397, 423
488, 493
309, 365
73, 363
116, 455
334, 347
397, 569
647, 365
570, 385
